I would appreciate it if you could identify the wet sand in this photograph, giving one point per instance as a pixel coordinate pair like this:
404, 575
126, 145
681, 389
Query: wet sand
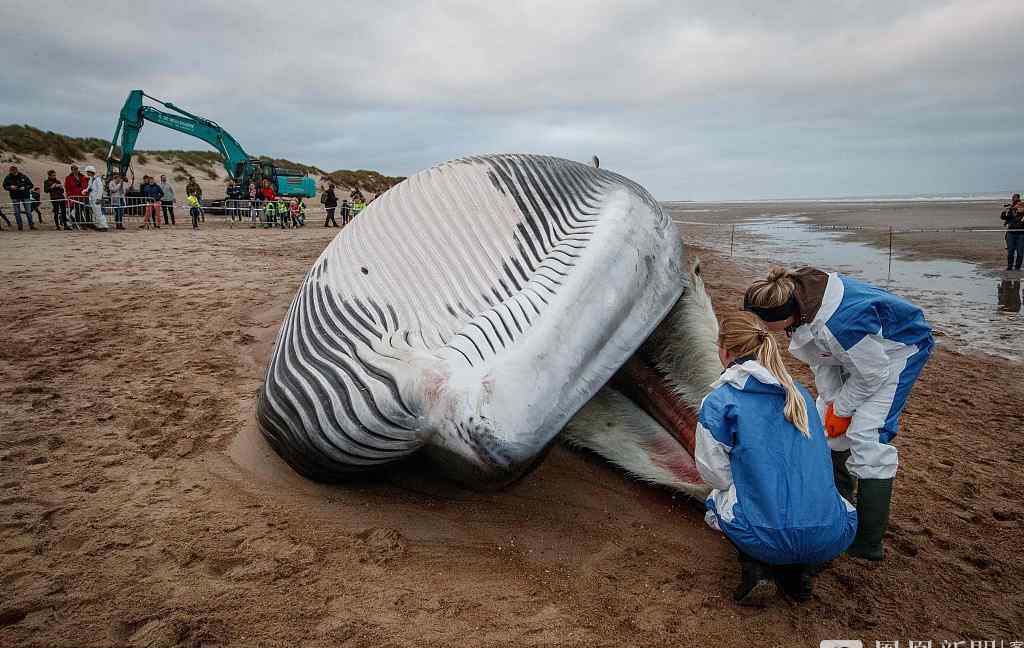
139, 507
968, 297
984, 248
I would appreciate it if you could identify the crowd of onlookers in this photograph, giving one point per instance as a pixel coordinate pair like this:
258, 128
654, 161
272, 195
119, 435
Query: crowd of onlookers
350, 206
77, 202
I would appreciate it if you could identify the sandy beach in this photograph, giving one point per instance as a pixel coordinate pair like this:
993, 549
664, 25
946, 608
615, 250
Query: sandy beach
140, 507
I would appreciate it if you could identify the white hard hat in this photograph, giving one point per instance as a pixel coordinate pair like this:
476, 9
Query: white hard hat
90, 168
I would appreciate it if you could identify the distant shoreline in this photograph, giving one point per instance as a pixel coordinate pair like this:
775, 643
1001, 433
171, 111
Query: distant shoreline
987, 196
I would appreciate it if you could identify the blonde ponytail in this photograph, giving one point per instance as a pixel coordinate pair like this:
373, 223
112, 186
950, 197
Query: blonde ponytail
743, 334
772, 292
796, 408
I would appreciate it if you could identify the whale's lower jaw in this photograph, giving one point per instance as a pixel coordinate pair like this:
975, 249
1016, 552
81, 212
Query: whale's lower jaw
644, 420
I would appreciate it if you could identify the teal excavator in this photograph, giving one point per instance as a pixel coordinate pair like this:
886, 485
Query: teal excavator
240, 166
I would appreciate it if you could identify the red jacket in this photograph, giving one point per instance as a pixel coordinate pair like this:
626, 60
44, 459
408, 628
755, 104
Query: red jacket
76, 186
267, 193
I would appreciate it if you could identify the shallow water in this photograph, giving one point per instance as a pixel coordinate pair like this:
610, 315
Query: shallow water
974, 309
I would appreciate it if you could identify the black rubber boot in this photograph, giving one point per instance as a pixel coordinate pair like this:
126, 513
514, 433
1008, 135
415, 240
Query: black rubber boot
795, 582
873, 498
845, 482
753, 576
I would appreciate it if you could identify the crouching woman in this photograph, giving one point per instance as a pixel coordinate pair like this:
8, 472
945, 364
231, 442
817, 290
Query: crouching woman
761, 446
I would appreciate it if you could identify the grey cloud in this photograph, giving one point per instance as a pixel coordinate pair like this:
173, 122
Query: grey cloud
738, 99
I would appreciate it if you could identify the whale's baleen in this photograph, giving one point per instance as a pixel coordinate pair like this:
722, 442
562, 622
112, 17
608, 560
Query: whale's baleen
475, 309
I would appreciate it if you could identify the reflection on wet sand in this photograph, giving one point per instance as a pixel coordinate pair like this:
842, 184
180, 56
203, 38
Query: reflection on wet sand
1009, 295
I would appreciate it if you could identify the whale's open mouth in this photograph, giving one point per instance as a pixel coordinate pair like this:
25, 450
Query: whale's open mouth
651, 390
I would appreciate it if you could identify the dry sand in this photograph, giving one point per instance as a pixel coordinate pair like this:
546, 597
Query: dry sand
139, 507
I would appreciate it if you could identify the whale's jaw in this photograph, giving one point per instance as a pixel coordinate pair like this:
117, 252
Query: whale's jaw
645, 419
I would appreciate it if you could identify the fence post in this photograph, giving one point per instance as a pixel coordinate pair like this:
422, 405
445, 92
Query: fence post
732, 239
889, 276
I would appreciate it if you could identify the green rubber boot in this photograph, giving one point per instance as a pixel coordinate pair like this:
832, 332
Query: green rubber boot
873, 499
845, 482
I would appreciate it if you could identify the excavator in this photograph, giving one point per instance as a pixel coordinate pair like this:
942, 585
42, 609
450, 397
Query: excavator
240, 166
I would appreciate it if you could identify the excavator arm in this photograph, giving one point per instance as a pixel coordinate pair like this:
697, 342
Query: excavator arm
134, 114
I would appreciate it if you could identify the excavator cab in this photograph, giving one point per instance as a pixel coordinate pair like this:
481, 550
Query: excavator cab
289, 183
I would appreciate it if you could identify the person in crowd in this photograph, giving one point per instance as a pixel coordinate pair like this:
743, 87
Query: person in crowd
234, 201
300, 216
35, 201
1013, 218
267, 191
269, 213
356, 196
866, 348
19, 187
761, 446
254, 207
54, 188
74, 187
94, 192
152, 194
346, 212
330, 202
194, 211
167, 202
358, 207
117, 189
284, 212
193, 189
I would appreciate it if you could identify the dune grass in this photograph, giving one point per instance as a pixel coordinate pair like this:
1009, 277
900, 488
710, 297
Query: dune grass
18, 139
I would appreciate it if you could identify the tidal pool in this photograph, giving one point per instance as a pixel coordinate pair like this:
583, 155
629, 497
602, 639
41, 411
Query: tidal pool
973, 309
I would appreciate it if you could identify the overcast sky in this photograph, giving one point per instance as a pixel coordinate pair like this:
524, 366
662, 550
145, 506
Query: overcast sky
742, 100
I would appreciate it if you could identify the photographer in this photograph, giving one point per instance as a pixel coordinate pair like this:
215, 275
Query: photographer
1013, 216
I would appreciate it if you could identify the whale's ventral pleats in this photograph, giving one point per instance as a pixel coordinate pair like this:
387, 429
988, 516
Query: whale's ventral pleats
470, 311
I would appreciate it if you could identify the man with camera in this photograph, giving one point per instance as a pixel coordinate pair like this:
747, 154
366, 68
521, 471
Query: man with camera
1013, 216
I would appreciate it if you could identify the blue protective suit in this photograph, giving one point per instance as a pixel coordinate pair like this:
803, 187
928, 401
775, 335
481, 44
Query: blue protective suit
774, 495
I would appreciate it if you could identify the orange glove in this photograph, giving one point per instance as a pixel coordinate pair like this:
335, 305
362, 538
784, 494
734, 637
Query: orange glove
835, 425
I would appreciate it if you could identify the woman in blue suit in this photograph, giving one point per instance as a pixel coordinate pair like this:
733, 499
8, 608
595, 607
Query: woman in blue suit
761, 446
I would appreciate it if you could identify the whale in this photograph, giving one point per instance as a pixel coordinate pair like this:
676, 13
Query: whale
486, 308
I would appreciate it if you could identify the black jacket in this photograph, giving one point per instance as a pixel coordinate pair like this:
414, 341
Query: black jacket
1013, 218
55, 188
329, 199
18, 185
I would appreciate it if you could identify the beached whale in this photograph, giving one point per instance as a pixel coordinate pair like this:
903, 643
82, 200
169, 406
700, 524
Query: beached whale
482, 309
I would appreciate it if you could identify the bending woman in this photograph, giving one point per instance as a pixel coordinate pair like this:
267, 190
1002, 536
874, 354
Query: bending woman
866, 348
761, 445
